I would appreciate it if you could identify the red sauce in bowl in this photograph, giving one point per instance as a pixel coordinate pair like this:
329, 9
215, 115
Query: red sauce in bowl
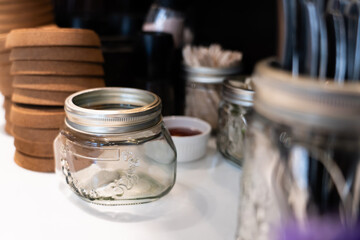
183, 132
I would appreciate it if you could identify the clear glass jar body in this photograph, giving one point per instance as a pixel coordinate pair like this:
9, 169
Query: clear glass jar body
202, 101
299, 174
117, 169
232, 126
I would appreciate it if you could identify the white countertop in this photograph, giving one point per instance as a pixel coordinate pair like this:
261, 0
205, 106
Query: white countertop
202, 205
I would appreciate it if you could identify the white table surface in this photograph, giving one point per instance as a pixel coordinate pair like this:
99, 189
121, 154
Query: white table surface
202, 205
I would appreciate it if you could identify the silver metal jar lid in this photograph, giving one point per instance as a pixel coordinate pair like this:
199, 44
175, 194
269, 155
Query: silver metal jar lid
235, 92
209, 75
284, 98
112, 110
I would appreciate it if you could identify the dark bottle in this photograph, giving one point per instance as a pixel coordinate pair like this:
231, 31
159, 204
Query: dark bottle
153, 63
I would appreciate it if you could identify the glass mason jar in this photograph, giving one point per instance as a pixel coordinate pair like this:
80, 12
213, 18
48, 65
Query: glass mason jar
301, 175
234, 109
203, 91
114, 148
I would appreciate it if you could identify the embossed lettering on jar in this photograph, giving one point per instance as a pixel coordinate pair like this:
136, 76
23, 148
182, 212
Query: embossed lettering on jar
114, 148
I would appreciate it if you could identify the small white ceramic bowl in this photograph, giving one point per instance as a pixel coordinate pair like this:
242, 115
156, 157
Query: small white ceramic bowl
189, 148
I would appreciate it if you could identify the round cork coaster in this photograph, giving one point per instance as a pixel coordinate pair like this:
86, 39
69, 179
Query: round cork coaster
33, 148
8, 128
5, 69
52, 37
3, 36
4, 57
56, 83
7, 104
76, 54
5, 80
7, 107
37, 116
34, 163
36, 97
30, 23
20, 7
6, 2
59, 68
2, 43
36, 135
13, 17
6, 86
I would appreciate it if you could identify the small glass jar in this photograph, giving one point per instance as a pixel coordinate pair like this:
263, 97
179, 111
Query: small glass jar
301, 173
203, 91
114, 148
236, 105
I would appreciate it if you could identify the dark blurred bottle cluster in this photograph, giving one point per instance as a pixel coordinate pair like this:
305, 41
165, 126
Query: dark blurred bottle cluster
150, 60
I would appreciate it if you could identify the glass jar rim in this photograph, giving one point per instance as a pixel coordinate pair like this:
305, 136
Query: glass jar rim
209, 75
235, 93
112, 110
283, 97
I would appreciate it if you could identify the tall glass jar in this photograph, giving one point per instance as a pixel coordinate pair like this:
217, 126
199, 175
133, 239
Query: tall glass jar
236, 105
203, 91
301, 175
114, 148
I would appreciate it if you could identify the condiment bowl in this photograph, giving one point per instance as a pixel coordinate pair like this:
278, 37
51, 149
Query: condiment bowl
193, 147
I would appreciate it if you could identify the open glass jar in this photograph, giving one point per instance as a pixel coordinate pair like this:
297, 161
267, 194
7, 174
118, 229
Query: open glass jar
114, 148
301, 174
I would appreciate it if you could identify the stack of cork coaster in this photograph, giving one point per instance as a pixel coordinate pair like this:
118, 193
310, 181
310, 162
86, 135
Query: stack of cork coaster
47, 65
34, 130
16, 14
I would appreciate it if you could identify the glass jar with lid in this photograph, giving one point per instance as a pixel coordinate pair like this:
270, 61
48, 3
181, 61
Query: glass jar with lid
114, 148
236, 105
203, 91
302, 156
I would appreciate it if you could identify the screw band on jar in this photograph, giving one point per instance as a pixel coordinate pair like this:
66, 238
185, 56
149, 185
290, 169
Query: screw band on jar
287, 99
112, 110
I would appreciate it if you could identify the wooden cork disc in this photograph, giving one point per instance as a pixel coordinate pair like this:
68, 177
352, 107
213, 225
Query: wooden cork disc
20, 7
7, 104
37, 116
34, 163
56, 83
36, 135
76, 54
2, 43
13, 17
36, 97
52, 37
34, 149
6, 86
8, 128
4, 57
5, 69
5, 80
56, 68
7, 107
3, 36
30, 23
